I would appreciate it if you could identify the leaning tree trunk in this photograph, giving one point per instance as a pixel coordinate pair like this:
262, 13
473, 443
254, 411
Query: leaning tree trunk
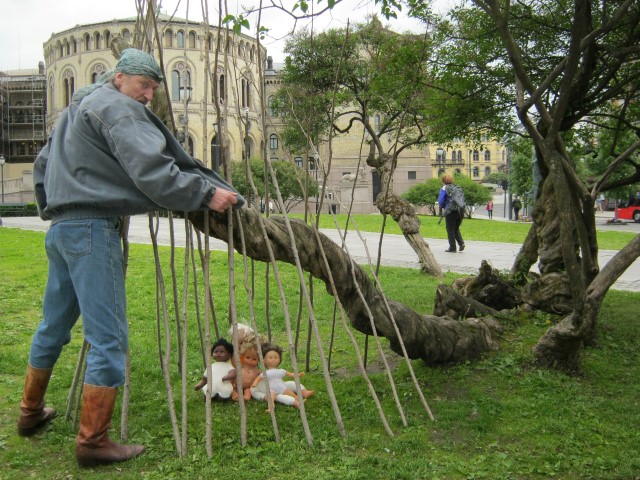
431, 338
402, 212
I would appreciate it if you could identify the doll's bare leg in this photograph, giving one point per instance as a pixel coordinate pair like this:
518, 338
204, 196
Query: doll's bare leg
305, 393
273, 399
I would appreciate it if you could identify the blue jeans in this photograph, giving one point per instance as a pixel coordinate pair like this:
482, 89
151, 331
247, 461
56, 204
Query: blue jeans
85, 277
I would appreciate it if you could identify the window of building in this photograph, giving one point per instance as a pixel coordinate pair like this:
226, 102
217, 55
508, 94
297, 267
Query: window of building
61, 50
376, 123
273, 142
87, 42
175, 85
192, 39
270, 102
298, 162
440, 155
487, 156
126, 34
97, 40
312, 164
68, 83
168, 38
50, 99
245, 88
180, 37
476, 156
487, 171
476, 172
274, 159
459, 155
96, 72
222, 88
411, 175
107, 39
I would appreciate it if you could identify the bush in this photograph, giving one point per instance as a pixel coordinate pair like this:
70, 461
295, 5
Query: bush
18, 210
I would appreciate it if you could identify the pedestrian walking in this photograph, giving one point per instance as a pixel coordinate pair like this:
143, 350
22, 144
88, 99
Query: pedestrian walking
489, 208
451, 200
517, 205
108, 156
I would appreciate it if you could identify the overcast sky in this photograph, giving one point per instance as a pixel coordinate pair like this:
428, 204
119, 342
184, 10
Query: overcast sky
27, 24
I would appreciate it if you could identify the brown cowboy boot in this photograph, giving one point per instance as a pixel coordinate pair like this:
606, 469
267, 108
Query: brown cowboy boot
33, 414
93, 446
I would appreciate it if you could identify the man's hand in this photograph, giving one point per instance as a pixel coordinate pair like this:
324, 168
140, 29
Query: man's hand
222, 199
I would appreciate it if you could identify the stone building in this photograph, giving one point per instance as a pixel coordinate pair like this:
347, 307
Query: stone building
221, 112
78, 56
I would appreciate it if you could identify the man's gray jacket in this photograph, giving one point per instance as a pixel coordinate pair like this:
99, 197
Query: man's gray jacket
109, 155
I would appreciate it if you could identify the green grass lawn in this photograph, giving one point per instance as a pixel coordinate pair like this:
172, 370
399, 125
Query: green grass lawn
496, 417
472, 229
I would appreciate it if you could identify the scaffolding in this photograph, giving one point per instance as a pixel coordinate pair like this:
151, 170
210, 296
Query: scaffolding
22, 115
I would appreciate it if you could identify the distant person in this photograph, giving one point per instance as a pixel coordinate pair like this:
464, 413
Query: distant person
453, 208
489, 208
517, 205
109, 156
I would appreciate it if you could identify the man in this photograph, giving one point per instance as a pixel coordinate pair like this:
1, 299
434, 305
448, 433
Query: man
108, 156
452, 213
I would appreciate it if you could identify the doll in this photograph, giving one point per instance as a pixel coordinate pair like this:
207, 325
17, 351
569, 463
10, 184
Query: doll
222, 371
280, 391
249, 365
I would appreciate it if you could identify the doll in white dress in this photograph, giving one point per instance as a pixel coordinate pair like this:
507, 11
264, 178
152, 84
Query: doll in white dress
222, 372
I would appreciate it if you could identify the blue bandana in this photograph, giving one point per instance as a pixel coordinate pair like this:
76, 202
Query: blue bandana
136, 62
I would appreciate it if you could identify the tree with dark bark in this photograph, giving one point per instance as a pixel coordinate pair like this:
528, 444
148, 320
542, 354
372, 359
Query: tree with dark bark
567, 67
434, 339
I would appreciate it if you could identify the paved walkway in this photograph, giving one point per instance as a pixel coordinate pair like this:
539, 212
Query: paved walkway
395, 250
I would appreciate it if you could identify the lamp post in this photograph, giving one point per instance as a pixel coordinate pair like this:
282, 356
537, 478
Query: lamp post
2, 167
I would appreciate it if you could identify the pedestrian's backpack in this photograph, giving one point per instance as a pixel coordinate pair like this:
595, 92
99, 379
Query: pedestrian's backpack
456, 199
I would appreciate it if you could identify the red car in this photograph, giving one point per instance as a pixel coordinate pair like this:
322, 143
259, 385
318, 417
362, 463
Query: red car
629, 213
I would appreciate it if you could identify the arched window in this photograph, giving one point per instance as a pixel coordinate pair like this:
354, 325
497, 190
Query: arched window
273, 142
96, 72
487, 156
270, 106
87, 42
60, 50
459, 155
74, 46
476, 172
440, 155
298, 162
175, 85
222, 92
476, 157
192, 39
97, 40
107, 39
209, 43
376, 123
168, 38
487, 171
453, 156
126, 34
50, 98
67, 48
252, 53
180, 37
180, 82
68, 84
245, 93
